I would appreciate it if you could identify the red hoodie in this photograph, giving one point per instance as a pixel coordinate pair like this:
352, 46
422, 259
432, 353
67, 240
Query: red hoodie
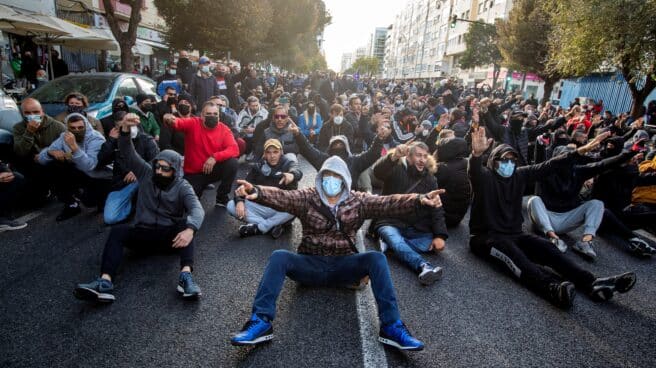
202, 142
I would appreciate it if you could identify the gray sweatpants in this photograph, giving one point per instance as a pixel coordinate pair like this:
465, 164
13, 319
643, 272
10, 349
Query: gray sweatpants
588, 215
264, 217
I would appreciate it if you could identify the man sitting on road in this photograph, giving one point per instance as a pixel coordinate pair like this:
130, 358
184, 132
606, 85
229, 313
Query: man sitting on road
10, 186
496, 227
36, 132
330, 214
279, 129
168, 215
210, 151
410, 169
124, 183
274, 170
70, 160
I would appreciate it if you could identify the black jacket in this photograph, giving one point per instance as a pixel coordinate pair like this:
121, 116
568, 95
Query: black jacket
497, 202
202, 88
399, 177
330, 129
560, 190
109, 153
263, 174
356, 163
452, 176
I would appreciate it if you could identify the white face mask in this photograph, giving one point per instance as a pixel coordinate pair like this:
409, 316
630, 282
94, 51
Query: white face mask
172, 71
205, 68
338, 120
424, 132
134, 131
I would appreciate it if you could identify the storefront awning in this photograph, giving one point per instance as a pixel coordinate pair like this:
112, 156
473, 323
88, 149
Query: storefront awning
142, 48
153, 44
29, 24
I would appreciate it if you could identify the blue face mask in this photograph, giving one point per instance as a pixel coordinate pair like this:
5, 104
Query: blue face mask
331, 185
506, 168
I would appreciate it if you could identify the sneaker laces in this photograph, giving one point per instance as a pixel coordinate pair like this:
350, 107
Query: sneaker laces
250, 324
402, 331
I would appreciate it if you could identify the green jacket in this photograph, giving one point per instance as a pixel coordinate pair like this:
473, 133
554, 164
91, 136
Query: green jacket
27, 144
148, 122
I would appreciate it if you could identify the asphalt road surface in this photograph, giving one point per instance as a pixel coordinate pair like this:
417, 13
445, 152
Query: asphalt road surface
475, 316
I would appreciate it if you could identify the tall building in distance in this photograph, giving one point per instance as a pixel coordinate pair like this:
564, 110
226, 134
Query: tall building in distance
377, 44
347, 61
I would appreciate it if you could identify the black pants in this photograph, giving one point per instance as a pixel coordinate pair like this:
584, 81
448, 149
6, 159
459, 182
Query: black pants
142, 239
9, 194
523, 254
225, 172
37, 178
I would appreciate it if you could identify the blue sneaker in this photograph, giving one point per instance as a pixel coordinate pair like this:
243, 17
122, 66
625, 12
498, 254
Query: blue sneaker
254, 332
98, 290
187, 287
397, 335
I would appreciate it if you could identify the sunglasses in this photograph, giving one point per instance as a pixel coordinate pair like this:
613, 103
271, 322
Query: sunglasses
280, 116
163, 168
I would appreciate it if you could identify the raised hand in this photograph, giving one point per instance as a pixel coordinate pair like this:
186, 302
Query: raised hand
433, 199
480, 142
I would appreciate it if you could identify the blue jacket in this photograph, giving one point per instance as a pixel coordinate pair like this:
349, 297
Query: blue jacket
313, 123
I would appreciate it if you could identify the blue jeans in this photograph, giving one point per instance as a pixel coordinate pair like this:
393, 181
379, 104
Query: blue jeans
407, 243
326, 271
119, 204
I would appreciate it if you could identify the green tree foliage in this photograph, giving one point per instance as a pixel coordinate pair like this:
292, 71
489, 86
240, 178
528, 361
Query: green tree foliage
524, 41
598, 35
482, 49
369, 65
283, 32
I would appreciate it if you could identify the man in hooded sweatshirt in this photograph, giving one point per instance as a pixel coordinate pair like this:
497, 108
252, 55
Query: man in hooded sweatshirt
70, 159
496, 231
210, 151
339, 146
410, 169
330, 214
557, 207
168, 214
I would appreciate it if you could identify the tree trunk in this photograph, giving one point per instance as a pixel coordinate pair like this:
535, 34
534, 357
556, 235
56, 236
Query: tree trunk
126, 56
548, 88
521, 89
495, 75
102, 61
639, 96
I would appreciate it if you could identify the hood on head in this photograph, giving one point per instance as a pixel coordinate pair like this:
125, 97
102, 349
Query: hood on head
562, 149
498, 152
617, 142
338, 166
172, 158
87, 125
452, 148
341, 138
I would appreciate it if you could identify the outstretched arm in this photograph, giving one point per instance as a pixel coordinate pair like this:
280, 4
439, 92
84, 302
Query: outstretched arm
290, 201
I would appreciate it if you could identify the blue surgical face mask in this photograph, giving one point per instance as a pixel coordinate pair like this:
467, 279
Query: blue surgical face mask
506, 168
331, 185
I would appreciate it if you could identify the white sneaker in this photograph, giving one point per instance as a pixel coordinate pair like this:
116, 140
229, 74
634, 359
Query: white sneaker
559, 243
382, 245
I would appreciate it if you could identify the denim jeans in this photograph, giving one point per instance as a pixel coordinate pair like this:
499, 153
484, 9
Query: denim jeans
407, 244
119, 204
264, 217
326, 271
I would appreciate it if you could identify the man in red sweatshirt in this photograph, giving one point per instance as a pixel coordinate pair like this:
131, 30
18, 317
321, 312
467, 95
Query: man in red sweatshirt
210, 151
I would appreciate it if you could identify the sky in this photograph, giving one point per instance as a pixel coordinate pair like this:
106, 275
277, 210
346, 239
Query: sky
353, 21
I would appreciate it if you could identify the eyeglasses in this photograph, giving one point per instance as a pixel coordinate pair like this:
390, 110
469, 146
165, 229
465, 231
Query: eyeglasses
280, 116
164, 168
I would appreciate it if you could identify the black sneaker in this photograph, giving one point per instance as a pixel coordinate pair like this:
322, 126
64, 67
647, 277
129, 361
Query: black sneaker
249, 230
636, 245
98, 290
70, 210
603, 288
222, 201
429, 274
277, 231
562, 294
7, 224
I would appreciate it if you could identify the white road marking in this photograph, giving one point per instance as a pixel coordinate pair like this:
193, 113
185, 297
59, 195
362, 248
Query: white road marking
373, 354
27, 218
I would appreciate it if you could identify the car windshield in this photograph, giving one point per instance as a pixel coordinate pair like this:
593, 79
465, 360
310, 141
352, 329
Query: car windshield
96, 89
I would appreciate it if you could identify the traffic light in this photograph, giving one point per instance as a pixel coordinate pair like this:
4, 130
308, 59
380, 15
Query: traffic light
454, 19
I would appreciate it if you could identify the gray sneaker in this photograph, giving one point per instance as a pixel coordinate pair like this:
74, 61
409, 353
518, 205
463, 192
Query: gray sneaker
429, 274
382, 245
7, 224
585, 249
98, 290
559, 243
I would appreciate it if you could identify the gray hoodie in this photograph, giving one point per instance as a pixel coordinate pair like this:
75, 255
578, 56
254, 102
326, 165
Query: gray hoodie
338, 166
85, 158
175, 205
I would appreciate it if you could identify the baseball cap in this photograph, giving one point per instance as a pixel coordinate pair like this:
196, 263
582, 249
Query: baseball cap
204, 60
272, 143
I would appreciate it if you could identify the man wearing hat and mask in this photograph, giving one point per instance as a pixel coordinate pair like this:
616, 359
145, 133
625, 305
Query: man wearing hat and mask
145, 109
210, 151
203, 85
275, 170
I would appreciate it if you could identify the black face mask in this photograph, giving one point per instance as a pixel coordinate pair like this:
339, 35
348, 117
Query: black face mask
147, 108
79, 135
516, 125
339, 152
561, 141
184, 109
72, 109
162, 182
211, 121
